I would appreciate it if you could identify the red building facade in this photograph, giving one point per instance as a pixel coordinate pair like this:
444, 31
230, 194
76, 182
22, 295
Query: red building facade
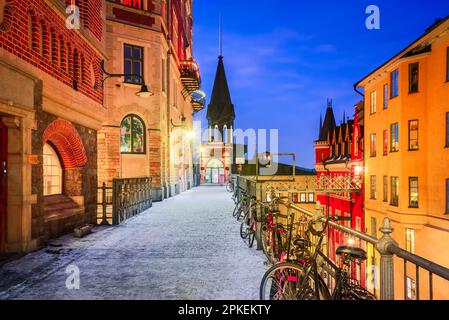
339, 157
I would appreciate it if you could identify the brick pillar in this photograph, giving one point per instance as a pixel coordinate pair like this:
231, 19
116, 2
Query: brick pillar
155, 159
108, 143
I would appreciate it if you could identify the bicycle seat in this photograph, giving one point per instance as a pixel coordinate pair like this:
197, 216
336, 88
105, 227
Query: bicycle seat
301, 242
352, 252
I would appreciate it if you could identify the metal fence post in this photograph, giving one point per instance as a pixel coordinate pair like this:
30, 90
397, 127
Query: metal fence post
386, 261
104, 220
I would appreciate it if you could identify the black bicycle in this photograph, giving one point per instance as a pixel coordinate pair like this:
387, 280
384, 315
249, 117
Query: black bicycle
300, 279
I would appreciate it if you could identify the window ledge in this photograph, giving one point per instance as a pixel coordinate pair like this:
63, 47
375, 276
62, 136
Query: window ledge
413, 149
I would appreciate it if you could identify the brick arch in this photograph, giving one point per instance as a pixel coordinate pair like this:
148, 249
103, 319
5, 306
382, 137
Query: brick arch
67, 142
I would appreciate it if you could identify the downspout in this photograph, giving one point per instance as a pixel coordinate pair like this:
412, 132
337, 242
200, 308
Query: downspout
363, 152
168, 88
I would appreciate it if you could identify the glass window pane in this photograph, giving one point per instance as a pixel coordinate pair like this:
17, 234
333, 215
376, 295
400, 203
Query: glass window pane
137, 70
127, 51
138, 136
137, 53
125, 135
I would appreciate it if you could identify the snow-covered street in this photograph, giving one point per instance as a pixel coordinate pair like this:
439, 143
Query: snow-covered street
186, 247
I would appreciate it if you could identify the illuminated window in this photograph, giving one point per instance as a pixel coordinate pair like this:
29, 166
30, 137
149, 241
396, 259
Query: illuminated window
394, 183
413, 135
385, 142
394, 138
413, 77
133, 64
385, 189
411, 289
394, 83
447, 195
373, 189
302, 197
132, 135
138, 4
385, 96
52, 171
410, 240
447, 129
413, 192
373, 145
311, 197
373, 105
374, 227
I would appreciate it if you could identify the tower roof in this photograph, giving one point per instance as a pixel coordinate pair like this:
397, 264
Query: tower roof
220, 110
328, 124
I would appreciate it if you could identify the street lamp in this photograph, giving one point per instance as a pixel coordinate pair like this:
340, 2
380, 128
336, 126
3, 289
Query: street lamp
143, 92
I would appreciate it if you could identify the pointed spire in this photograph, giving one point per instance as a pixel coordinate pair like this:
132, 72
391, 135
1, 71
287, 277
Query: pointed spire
344, 116
220, 110
329, 122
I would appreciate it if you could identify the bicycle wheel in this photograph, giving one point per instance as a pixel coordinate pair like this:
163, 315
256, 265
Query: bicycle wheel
284, 281
236, 210
271, 245
244, 228
229, 187
251, 232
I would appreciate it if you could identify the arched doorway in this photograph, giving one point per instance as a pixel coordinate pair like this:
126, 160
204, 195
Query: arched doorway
215, 172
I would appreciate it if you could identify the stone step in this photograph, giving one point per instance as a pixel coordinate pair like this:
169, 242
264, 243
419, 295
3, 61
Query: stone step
59, 207
55, 199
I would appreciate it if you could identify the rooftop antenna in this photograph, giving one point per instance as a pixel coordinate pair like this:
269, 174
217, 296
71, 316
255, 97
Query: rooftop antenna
220, 37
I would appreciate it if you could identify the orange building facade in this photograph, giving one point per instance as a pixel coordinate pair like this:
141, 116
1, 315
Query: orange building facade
407, 155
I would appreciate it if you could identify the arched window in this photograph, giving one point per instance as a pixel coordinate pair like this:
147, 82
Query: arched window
132, 135
52, 171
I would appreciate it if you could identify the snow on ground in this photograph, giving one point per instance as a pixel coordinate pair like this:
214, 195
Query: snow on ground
186, 247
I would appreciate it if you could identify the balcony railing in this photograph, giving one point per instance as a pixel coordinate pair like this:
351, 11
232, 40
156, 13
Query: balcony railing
198, 100
190, 77
378, 279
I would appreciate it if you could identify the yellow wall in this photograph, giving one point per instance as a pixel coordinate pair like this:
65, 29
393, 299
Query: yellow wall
430, 163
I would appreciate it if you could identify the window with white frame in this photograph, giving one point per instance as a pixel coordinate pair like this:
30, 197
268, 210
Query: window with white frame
410, 240
52, 171
373, 100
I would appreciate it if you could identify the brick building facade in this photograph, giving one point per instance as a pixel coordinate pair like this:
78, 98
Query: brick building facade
151, 41
51, 106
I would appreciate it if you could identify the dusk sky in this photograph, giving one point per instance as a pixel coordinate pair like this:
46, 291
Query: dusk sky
285, 58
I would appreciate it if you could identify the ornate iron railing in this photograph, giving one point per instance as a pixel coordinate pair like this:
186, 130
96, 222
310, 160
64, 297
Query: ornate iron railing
378, 278
125, 199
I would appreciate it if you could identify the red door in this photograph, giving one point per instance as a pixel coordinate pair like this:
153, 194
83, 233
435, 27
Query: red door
3, 190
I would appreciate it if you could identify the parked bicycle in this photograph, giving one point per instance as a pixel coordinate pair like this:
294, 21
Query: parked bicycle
299, 278
248, 226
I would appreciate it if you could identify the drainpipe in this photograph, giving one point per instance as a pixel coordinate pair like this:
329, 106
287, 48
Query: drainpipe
168, 90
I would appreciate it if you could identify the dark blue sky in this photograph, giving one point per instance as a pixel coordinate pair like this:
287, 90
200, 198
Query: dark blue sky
284, 58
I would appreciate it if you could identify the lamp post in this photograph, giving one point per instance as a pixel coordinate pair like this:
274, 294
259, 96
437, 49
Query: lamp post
143, 92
